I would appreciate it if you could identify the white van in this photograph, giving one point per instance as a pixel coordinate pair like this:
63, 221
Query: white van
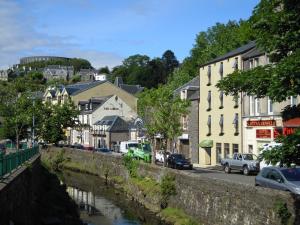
125, 145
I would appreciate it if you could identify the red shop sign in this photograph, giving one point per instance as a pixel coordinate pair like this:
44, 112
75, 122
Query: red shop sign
261, 123
263, 133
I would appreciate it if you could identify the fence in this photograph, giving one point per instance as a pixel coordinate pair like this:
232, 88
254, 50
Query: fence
11, 161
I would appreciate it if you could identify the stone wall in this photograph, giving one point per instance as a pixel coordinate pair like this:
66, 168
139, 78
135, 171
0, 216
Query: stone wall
209, 200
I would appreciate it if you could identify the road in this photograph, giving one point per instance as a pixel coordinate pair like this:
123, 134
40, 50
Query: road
234, 177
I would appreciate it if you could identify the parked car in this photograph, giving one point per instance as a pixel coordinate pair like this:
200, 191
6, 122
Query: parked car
281, 178
88, 148
245, 163
178, 161
125, 145
77, 146
104, 150
159, 156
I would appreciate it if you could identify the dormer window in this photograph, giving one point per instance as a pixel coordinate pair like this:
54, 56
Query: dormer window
86, 106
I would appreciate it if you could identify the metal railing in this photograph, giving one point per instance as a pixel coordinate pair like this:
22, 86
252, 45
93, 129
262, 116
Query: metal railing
11, 161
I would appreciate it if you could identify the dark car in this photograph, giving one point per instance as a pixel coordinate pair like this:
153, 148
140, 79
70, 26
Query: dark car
89, 148
178, 161
103, 150
281, 178
77, 146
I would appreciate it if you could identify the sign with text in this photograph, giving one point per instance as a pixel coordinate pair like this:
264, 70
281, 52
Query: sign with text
261, 123
263, 133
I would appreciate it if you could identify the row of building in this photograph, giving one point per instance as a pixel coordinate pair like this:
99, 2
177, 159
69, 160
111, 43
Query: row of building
219, 125
108, 111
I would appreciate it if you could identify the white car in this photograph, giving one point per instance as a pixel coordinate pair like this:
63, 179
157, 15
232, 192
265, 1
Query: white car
159, 156
125, 145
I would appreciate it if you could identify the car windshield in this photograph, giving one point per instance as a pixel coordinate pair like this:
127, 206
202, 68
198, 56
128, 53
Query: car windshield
291, 174
249, 157
146, 147
133, 145
179, 156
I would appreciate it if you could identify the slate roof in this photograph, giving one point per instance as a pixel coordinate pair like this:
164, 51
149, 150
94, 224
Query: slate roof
253, 53
232, 53
80, 87
116, 123
132, 89
192, 84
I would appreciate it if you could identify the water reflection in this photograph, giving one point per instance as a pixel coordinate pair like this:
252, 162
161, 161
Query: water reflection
99, 204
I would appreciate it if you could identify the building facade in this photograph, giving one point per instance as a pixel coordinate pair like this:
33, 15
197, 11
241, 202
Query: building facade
220, 116
262, 120
58, 72
188, 141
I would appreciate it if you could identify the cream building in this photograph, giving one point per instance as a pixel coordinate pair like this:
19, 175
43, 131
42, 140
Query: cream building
220, 116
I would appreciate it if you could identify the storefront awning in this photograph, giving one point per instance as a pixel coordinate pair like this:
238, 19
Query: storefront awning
206, 144
295, 122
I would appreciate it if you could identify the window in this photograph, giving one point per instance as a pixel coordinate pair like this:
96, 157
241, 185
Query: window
219, 151
184, 122
235, 148
251, 105
79, 107
257, 106
236, 101
87, 119
226, 150
236, 124
209, 75
91, 106
209, 125
221, 123
256, 62
250, 149
221, 70
270, 106
274, 175
209, 100
235, 65
86, 106
183, 94
221, 97
293, 100
251, 64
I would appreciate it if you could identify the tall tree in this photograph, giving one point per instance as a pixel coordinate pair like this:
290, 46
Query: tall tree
161, 112
276, 24
170, 62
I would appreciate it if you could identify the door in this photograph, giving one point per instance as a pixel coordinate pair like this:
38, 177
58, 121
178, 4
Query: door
207, 156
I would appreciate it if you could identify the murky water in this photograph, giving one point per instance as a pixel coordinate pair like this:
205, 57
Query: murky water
101, 204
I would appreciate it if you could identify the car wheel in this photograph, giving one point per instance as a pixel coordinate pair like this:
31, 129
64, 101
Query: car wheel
246, 170
227, 169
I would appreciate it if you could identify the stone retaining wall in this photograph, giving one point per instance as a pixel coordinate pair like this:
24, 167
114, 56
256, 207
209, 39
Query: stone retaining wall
209, 200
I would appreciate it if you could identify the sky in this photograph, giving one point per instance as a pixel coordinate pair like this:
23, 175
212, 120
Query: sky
107, 31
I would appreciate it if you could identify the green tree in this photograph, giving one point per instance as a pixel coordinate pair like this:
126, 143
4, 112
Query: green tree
276, 24
161, 112
104, 70
170, 63
55, 119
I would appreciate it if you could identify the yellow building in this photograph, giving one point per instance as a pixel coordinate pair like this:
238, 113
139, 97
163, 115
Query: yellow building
220, 116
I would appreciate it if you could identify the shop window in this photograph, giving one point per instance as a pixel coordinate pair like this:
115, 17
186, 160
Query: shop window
235, 148
226, 150
219, 152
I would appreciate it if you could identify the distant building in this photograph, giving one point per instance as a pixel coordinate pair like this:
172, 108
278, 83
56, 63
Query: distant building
58, 72
188, 141
132, 89
4, 75
87, 74
100, 77
32, 59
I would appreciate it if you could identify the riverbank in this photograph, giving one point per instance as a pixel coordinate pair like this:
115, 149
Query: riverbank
143, 190
209, 201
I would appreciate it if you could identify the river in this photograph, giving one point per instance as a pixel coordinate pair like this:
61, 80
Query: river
100, 204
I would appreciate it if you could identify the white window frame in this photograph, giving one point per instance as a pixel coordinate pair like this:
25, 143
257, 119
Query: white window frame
293, 100
257, 106
183, 94
270, 107
251, 105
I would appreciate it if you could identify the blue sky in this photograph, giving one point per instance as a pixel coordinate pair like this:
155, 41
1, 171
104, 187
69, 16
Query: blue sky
106, 32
